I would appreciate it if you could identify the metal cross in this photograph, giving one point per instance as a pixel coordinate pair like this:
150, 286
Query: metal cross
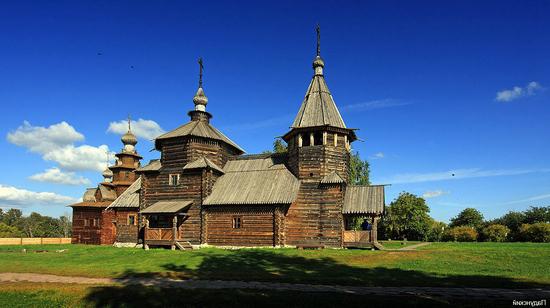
129, 121
201, 67
318, 30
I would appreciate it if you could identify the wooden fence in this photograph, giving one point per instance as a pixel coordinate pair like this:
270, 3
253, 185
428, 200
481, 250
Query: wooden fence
35, 240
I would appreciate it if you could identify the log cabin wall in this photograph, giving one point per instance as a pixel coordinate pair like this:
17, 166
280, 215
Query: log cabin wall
259, 225
85, 230
108, 231
126, 232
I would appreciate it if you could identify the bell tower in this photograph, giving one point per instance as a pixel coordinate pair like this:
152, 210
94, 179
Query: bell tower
127, 162
318, 154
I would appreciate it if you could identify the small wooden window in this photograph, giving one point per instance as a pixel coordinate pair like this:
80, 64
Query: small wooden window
237, 223
94, 222
132, 220
173, 179
86, 223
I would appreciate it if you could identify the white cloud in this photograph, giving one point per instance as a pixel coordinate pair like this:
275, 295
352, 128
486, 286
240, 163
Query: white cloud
375, 104
378, 155
533, 198
56, 143
434, 194
456, 174
518, 92
10, 196
55, 175
41, 140
146, 129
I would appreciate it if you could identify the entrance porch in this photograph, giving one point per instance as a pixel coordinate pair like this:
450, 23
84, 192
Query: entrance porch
163, 220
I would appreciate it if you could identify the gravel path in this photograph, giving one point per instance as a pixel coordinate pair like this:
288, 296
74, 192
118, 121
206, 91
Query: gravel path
471, 293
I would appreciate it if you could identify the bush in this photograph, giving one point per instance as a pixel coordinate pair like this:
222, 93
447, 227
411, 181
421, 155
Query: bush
9, 231
537, 232
495, 233
460, 234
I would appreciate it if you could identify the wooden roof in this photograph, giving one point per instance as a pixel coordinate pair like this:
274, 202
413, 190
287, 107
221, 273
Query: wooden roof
153, 165
89, 195
254, 181
107, 193
199, 129
364, 200
171, 206
202, 162
318, 107
129, 198
99, 204
332, 178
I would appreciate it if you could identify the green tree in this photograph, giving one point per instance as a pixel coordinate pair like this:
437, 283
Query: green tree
12, 217
359, 170
495, 233
435, 233
512, 220
468, 217
537, 214
537, 232
407, 217
279, 146
9, 231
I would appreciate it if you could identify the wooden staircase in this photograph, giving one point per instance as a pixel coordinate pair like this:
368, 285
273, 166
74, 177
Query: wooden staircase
184, 245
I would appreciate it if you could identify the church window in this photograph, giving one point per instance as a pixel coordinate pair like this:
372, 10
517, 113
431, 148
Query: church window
237, 223
173, 179
132, 220
318, 138
306, 141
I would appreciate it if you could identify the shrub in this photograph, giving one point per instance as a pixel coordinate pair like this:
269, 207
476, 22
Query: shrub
8, 231
495, 233
537, 232
460, 234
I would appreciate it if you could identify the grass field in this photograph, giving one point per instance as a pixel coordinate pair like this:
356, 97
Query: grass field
503, 265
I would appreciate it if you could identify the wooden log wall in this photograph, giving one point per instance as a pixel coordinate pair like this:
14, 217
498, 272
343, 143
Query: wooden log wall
126, 233
258, 225
100, 233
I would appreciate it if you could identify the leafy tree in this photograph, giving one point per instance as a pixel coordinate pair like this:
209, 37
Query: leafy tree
437, 228
407, 217
279, 146
65, 224
495, 233
537, 214
12, 217
537, 232
359, 170
9, 231
468, 217
460, 234
513, 221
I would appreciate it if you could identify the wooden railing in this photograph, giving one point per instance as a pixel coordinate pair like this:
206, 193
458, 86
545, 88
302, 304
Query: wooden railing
164, 234
351, 236
34, 240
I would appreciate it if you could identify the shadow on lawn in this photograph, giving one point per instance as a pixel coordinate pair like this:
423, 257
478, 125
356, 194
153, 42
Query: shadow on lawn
265, 265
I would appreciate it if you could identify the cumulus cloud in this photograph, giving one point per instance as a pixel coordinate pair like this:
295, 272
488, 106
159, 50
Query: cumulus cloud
518, 92
434, 194
55, 175
56, 143
456, 174
378, 155
146, 129
12, 196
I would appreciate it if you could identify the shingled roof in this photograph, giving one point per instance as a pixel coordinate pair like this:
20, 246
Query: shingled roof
153, 165
202, 162
258, 180
129, 198
332, 178
364, 200
318, 107
199, 129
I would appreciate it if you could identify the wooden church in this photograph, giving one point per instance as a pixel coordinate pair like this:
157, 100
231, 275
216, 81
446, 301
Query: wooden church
204, 191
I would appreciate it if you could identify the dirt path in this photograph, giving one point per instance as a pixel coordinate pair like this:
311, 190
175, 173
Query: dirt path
471, 293
413, 247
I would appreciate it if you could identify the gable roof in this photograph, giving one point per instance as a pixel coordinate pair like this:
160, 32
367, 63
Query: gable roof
364, 200
254, 181
199, 129
129, 198
332, 178
153, 165
169, 206
202, 162
107, 193
318, 107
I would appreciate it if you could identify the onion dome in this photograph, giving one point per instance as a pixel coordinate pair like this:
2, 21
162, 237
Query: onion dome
107, 174
200, 100
129, 138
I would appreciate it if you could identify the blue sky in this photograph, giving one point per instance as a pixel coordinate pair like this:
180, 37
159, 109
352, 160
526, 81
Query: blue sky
436, 89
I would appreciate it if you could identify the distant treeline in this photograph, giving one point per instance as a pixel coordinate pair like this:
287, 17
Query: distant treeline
407, 217
14, 224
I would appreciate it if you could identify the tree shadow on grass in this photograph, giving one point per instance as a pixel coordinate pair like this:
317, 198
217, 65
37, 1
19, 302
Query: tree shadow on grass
269, 265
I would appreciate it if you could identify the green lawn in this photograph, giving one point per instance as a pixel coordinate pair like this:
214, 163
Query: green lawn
512, 265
